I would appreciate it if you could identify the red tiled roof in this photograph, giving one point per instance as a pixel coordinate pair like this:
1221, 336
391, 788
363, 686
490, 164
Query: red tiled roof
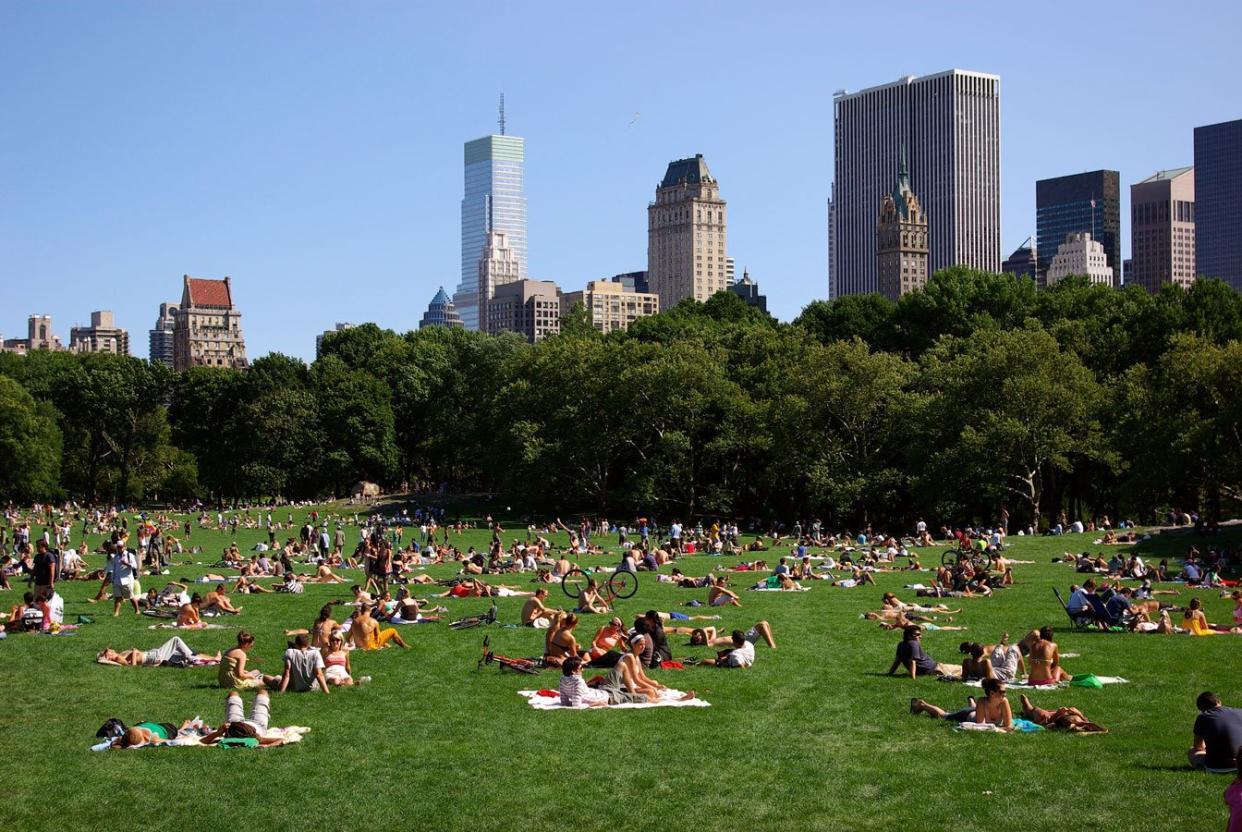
204, 292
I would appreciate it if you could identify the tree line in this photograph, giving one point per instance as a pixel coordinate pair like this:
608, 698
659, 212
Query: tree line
974, 393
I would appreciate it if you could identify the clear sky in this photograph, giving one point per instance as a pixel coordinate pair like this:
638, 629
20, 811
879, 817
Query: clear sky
313, 149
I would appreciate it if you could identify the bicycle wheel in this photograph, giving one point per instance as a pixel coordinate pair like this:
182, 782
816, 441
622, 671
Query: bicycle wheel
949, 558
623, 584
573, 582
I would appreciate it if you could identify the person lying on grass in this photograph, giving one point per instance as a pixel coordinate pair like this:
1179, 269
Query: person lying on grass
993, 709
233, 672
914, 661
254, 728
891, 619
1066, 719
172, 653
891, 601
149, 733
711, 637
741, 654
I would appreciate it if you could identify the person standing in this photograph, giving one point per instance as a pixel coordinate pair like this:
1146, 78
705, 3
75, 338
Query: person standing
125, 586
46, 570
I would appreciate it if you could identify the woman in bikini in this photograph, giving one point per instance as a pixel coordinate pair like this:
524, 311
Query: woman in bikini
1045, 659
321, 630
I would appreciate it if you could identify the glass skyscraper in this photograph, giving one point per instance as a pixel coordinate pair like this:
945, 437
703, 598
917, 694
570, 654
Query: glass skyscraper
1218, 183
494, 200
1089, 202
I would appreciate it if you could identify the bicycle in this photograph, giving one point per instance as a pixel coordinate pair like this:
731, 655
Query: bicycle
472, 621
982, 561
530, 667
618, 585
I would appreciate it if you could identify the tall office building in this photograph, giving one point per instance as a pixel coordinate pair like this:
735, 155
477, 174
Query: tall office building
207, 332
1080, 202
497, 266
949, 125
494, 200
901, 246
1218, 184
103, 335
1162, 229
686, 247
441, 312
160, 337
1080, 255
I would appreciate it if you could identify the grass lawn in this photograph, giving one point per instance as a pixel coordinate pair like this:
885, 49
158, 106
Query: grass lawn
813, 736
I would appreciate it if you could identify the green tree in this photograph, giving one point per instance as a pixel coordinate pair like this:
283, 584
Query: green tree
30, 445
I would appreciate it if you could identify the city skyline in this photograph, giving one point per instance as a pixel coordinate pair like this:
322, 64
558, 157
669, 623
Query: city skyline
325, 176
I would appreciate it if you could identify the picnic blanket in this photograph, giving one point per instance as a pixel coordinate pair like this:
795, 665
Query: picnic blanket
778, 589
1082, 678
543, 702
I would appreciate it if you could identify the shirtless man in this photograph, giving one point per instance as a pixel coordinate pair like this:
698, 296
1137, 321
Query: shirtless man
218, 601
562, 566
365, 632
536, 614
720, 595
324, 575
1045, 658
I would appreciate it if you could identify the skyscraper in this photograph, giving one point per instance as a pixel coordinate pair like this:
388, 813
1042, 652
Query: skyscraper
1162, 229
494, 200
901, 240
949, 124
686, 251
160, 338
1218, 183
1080, 202
748, 290
103, 335
1024, 261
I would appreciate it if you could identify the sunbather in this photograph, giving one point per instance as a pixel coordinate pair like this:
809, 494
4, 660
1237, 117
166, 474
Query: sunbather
1067, 719
172, 653
233, 673
711, 637
993, 709
236, 727
1045, 658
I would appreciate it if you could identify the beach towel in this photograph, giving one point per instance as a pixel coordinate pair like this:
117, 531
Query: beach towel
1103, 680
1020, 726
553, 703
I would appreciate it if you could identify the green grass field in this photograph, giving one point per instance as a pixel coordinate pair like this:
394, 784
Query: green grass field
813, 736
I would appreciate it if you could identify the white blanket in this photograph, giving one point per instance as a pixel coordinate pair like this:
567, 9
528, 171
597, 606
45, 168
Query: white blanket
1104, 680
778, 589
670, 699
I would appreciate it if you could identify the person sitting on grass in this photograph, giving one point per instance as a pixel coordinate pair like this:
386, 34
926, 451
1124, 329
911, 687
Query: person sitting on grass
574, 690
233, 672
993, 709
30, 616
324, 575
365, 632
741, 654
217, 602
710, 637
1066, 719
188, 615
337, 669
720, 595
536, 614
172, 653
1194, 620
590, 601
914, 661
1045, 658
1218, 735
304, 667
601, 652
560, 643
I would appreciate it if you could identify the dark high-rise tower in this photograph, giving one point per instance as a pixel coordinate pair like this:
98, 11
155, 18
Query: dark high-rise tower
1080, 202
1218, 181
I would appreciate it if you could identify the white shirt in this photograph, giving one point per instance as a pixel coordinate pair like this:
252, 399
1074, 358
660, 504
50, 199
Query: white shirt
743, 656
124, 567
56, 606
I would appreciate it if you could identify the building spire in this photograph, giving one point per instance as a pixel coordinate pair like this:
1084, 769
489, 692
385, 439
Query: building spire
501, 120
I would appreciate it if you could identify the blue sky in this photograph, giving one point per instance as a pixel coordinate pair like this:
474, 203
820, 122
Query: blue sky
312, 150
